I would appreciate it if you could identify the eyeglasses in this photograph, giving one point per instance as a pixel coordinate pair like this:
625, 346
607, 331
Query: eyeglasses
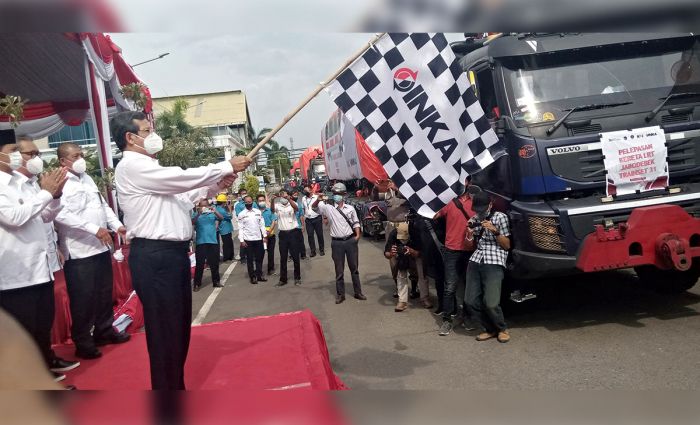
31, 154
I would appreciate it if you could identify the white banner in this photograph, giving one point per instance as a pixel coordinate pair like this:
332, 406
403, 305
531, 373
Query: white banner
636, 160
340, 148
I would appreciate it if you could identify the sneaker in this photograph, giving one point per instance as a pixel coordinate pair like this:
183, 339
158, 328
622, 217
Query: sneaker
503, 336
196, 288
484, 336
271, 273
280, 283
253, 281
237, 257
400, 307
445, 329
469, 325
438, 312
218, 285
58, 377
297, 282
60, 365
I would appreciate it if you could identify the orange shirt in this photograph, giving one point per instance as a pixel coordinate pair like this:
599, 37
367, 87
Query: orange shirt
456, 223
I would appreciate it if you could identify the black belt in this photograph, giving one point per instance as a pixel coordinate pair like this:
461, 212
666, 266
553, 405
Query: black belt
343, 239
157, 243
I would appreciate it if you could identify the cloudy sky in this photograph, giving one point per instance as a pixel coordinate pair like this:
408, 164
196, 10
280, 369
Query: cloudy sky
275, 70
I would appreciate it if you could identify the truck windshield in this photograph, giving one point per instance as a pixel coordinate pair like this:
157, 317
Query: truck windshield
542, 88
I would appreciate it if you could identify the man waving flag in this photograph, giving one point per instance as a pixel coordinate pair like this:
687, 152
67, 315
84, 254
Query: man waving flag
410, 100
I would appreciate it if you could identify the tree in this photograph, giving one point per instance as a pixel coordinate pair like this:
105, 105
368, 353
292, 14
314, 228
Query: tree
184, 146
277, 156
251, 184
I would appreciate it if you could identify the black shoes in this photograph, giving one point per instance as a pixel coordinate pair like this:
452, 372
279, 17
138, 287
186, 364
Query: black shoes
60, 365
414, 295
322, 253
360, 297
339, 299
115, 338
218, 285
303, 257
88, 354
196, 288
253, 281
262, 279
313, 254
280, 283
297, 282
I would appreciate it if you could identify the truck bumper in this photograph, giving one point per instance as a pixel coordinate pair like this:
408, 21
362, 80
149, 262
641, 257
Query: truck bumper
533, 265
665, 236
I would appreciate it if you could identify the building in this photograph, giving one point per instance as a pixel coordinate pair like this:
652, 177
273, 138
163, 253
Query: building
224, 115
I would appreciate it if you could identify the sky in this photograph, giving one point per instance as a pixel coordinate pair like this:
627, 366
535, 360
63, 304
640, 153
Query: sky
276, 71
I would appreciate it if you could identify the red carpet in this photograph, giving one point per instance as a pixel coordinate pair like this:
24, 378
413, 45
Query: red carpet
286, 351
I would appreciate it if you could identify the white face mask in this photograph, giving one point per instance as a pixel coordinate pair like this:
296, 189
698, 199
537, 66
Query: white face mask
79, 165
152, 143
15, 160
35, 165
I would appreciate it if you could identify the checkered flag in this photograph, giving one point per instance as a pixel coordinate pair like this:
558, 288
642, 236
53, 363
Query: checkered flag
410, 100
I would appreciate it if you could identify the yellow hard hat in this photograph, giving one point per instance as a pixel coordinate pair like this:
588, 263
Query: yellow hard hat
221, 198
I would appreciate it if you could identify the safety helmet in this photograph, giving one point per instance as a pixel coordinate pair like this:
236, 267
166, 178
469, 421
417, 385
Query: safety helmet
339, 188
221, 198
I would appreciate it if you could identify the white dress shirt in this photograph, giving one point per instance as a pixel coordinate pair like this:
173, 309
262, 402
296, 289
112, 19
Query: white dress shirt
32, 185
81, 200
286, 217
24, 256
157, 200
251, 225
307, 202
339, 226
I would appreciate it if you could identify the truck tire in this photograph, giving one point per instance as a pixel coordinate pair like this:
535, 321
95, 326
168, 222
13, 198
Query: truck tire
669, 281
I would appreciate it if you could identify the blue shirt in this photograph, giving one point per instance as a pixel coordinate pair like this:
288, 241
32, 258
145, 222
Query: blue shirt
269, 217
225, 225
240, 206
205, 226
300, 211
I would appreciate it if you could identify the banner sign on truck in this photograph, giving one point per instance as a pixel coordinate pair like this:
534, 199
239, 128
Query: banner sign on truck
635, 160
339, 148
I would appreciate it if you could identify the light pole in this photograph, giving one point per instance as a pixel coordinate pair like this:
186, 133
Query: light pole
161, 56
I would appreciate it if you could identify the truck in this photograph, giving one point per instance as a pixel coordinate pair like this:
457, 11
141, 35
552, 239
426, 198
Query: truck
552, 99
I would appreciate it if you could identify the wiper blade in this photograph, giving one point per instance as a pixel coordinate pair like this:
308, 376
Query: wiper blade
656, 110
591, 107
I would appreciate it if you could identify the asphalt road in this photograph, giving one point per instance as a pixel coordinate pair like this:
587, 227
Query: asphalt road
596, 332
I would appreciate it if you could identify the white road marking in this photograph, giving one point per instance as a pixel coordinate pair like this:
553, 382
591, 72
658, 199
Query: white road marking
212, 297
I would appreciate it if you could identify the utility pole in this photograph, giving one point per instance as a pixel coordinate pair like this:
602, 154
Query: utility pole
291, 144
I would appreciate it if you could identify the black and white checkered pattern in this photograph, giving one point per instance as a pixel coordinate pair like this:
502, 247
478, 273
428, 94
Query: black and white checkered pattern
488, 250
428, 164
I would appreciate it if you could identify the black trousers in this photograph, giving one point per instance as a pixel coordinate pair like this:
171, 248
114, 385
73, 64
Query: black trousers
227, 246
89, 284
315, 226
209, 253
271, 242
33, 307
289, 245
340, 250
300, 242
256, 252
160, 272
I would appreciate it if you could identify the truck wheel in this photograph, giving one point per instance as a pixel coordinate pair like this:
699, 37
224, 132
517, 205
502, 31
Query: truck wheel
669, 281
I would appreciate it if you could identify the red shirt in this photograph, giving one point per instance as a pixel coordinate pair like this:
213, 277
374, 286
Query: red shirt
456, 223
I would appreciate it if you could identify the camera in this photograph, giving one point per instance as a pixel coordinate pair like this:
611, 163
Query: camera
475, 221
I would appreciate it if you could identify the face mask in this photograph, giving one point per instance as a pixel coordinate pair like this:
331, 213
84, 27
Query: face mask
284, 202
152, 143
80, 166
15, 160
337, 198
35, 165
307, 193
249, 206
261, 205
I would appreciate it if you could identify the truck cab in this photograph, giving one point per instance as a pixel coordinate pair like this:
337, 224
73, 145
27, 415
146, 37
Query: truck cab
549, 97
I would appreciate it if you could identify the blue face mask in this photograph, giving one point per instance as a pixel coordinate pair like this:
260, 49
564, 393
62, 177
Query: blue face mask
337, 198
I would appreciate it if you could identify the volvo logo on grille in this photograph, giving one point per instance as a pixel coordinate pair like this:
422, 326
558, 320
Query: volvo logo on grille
564, 149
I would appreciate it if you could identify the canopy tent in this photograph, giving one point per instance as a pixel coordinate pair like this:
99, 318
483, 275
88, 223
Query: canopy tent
66, 78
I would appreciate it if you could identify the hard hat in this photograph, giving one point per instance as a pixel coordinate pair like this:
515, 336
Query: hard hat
339, 188
221, 198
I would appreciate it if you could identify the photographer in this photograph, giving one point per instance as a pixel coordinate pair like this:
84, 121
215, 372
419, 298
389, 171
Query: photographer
402, 246
487, 266
207, 250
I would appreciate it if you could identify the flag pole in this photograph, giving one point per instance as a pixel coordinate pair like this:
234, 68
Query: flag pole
313, 94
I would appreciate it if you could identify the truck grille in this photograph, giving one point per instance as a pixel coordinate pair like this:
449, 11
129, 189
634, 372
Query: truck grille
546, 233
593, 128
672, 119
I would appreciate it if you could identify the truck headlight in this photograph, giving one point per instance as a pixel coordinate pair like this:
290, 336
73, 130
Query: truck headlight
546, 234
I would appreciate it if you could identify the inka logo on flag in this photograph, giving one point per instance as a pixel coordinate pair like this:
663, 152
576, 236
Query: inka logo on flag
405, 79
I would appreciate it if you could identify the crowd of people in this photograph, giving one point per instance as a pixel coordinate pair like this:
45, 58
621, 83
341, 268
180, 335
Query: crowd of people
59, 220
